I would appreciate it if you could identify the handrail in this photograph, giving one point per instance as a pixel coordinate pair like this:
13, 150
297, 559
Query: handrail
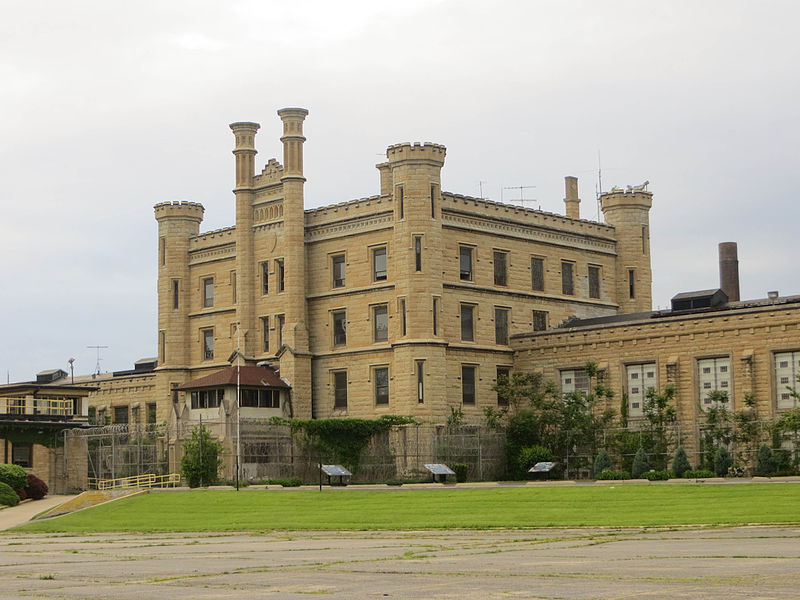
146, 480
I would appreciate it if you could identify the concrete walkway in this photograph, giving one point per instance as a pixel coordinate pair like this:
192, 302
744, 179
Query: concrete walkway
22, 513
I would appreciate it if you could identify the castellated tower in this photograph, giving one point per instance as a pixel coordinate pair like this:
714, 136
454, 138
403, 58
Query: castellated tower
412, 176
629, 213
177, 223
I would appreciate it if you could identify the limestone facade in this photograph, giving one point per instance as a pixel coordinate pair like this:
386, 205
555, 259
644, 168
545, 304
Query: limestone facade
394, 303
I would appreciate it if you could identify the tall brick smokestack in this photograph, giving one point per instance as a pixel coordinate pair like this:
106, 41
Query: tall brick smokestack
729, 270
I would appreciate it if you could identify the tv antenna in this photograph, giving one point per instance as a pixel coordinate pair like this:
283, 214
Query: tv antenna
97, 368
480, 187
522, 199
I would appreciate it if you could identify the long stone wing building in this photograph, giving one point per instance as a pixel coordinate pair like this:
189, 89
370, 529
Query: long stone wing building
399, 303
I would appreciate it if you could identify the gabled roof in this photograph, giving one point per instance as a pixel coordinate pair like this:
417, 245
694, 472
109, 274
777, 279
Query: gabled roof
248, 376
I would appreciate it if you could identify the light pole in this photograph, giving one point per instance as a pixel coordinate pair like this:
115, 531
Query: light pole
238, 401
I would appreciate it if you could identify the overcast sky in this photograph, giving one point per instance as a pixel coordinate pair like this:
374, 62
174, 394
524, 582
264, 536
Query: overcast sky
107, 108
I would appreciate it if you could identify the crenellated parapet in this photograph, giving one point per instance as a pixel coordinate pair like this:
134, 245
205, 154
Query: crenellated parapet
183, 210
417, 151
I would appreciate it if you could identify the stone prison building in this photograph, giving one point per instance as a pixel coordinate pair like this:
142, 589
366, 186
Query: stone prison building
414, 301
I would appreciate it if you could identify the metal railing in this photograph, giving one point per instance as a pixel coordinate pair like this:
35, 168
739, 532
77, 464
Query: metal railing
147, 480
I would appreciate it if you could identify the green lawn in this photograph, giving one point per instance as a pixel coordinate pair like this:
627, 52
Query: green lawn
612, 505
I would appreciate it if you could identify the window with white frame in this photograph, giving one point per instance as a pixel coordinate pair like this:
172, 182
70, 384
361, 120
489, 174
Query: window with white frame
574, 380
338, 267
640, 378
465, 262
379, 272
713, 375
208, 292
787, 369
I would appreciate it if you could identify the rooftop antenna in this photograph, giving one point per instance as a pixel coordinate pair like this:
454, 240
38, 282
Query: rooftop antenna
480, 186
97, 368
599, 184
522, 200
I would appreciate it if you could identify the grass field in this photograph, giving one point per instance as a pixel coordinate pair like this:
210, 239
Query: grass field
619, 505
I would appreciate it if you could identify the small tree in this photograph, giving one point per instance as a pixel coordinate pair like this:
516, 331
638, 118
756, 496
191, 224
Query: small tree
201, 458
640, 464
680, 463
766, 462
722, 461
602, 462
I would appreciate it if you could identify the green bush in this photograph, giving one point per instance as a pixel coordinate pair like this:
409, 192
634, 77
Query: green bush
766, 462
698, 474
201, 458
640, 464
461, 471
657, 475
530, 455
722, 461
286, 481
13, 476
602, 462
8, 497
680, 464
613, 475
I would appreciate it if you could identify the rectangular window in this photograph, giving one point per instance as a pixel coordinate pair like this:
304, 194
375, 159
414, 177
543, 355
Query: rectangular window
340, 389
337, 263
162, 251
265, 334
22, 454
281, 322
120, 415
380, 323
501, 326
644, 239
787, 369
537, 274
339, 328
420, 381
403, 315
465, 263
208, 292
265, 277
418, 253
433, 201
540, 320
151, 413
435, 316
467, 322
594, 282
381, 377
162, 346
233, 286
500, 268
631, 283
567, 278
255, 398
176, 285
281, 274
467, 384
379, 264
208, 344
574, 380
640, 378
503, 374
713, 375
400, 201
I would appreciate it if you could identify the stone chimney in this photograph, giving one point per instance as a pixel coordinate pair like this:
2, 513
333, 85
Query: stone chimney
571, 200
729, 270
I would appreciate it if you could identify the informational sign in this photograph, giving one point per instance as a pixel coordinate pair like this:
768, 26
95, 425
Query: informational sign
439, 469
335, 471
542, 467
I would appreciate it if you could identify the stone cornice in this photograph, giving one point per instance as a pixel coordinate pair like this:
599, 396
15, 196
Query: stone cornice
526, 295
344, 227
204, 255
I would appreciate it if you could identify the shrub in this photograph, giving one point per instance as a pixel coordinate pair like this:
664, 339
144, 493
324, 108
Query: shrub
13, 476
640, 464
602, 462
531, 455
8, 497
286, 481
766, 462
698, 474
22, 494
680, 464
613, 475
36, 489
461, 471
201, 458
657, 475
722, 461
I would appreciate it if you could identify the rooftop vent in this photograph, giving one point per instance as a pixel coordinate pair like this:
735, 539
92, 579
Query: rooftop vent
50, 375
700, 299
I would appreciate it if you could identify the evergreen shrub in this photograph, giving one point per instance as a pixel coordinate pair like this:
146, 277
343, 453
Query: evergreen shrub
722, 461
680, 464
461, 471
13, 476
766, 462
698, 474
640, 464
602, 462
657, 475
609, 475
8, 497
